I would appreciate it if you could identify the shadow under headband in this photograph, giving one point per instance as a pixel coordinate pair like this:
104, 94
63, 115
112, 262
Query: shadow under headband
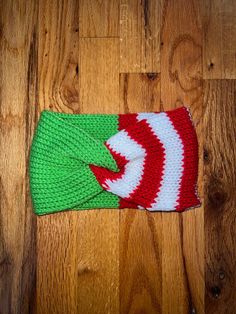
136, 160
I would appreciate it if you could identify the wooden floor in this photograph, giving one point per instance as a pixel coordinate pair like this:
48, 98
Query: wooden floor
111, 57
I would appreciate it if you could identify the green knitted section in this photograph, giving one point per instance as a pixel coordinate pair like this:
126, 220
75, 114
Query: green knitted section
63, 147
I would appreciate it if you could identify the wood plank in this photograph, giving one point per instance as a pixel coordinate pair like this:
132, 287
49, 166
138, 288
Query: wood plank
220, 200
59, 91
140, 230
57, 264
58, 55
99, 75
110, 261
18, 81
181, 83
98, 230
219, 44
99, 18
70, 247
140, 36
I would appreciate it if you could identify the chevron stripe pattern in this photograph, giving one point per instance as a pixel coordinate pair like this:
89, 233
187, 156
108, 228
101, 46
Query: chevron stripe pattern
142, 160
157, 153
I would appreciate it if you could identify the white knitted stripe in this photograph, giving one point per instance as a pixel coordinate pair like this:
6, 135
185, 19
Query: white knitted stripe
135, 154
130, 180
123, 144
163, 128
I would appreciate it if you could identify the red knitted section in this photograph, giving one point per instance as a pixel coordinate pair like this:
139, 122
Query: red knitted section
126, 119
140, 179
149, 186
126, 204
102, 173
183, 124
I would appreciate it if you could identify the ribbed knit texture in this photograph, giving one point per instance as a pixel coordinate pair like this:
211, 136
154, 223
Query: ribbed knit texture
83, 161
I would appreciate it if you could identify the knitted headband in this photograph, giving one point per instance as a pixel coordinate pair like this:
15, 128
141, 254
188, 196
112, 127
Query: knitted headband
142, 160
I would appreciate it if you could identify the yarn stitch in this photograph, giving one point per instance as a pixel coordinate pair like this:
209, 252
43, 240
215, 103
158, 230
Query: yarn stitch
136, 160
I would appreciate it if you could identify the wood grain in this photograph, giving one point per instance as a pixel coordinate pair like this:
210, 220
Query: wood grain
219, 48
220, 200
140, 36
140, 231
59, 91
18, 91
181, 83
99, 18
94, 56
99, 75
58, 55
98, 230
